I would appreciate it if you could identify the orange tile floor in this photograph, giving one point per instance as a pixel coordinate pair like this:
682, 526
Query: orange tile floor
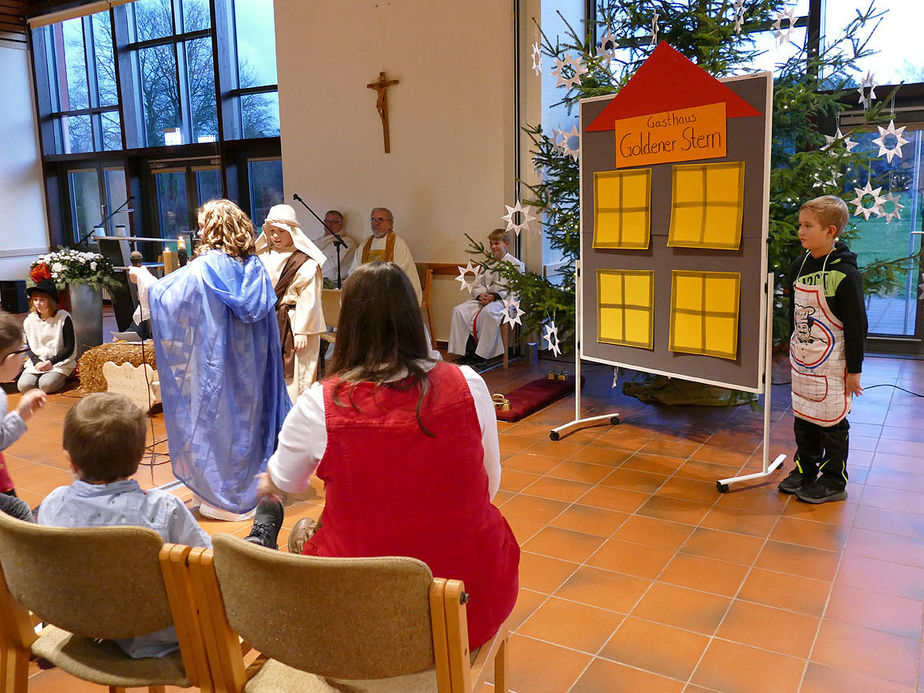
637, 575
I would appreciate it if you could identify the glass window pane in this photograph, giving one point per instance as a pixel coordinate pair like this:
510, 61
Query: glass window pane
208, 185
76, 134
159, 97
196, 15
116, 195
256, 42
105, 66
201, 88
899, 30
83, 186
172, 210
774, 53
260, 114
152, 19
112, 131
74, 92
265, 178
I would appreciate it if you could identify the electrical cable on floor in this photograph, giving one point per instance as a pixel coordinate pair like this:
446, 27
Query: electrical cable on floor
868, 387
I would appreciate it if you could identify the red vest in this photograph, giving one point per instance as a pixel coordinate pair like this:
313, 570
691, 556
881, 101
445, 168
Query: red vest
392, 490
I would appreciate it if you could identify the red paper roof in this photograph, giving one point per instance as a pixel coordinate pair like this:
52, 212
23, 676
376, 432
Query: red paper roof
668, 81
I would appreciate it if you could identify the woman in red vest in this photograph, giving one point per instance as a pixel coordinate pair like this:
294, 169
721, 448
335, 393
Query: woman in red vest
407, 449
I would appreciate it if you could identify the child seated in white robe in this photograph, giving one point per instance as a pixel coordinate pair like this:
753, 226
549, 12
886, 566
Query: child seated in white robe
482, 314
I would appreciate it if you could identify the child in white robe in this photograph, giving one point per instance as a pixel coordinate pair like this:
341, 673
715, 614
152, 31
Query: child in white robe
482, 314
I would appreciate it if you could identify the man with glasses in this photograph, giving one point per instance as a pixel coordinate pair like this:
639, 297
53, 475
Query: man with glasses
333, 220
385, 246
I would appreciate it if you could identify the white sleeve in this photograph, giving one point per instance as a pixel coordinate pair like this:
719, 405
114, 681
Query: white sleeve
302, 442
487, 420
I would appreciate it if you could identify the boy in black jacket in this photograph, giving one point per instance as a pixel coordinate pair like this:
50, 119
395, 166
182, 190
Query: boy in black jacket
828, 316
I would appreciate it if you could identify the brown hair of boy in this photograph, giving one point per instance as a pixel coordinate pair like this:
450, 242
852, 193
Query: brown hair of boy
829, 210
225, 227
104, 434
499, 235
10, 332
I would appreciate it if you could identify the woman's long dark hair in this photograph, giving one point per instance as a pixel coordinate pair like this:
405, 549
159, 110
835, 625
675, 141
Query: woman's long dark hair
381, 334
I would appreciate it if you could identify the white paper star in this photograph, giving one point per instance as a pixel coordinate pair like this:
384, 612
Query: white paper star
654, 30
607, 48
512, 304
894, 150
551, 338
831, 182
615, 375
537, 59
566, 147
509, 218
838, 137
561, 76
869, 82
739, 15
474, 270
557, 135
876, 208
897, 206
782, 34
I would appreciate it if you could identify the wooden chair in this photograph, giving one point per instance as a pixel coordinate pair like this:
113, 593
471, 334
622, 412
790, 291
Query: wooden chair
96, 583
330, 304
377, 624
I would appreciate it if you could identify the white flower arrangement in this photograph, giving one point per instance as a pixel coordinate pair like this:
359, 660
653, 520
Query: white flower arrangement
66, 266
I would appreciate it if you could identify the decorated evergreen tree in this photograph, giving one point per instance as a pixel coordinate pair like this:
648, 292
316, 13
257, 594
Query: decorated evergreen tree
810, 89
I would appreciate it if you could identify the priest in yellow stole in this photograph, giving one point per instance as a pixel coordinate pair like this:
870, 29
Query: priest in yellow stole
385, 246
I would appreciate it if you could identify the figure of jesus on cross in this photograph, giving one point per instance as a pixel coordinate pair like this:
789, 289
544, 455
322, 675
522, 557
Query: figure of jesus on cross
381, 104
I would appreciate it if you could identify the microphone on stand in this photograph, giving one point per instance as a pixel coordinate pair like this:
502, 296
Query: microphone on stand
338, 242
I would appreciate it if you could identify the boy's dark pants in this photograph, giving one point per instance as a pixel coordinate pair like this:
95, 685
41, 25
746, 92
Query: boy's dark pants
18, 508
823, 448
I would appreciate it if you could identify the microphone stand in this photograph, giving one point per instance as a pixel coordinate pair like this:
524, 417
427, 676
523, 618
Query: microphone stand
338, 242
86, 236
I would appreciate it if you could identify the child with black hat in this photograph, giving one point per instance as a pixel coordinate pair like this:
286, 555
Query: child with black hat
50, 337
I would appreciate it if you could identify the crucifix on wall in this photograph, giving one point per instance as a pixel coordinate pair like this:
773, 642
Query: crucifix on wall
381, 104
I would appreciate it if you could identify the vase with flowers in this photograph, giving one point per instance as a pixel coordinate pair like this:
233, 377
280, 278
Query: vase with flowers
80, 277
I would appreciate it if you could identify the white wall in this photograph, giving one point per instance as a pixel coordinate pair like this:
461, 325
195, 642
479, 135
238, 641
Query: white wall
22, 195
451, 166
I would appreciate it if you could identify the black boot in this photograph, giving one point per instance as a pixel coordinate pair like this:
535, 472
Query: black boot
266, 522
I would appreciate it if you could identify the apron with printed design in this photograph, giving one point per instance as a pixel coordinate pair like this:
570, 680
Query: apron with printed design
817, 357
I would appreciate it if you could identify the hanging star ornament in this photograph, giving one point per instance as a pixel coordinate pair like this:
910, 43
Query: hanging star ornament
566, 147
869, 82
739, 15
557, 135
512, 311
897, 206
654, 30
876, 207
537, 58
510, 215
895, 149
838, 136
575, 69
474, 270
551, 338
782, 33
607, 48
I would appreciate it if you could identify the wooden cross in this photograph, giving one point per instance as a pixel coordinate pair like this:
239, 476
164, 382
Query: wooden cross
381, 104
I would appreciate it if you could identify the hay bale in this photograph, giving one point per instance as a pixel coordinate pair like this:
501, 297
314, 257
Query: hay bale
90, 365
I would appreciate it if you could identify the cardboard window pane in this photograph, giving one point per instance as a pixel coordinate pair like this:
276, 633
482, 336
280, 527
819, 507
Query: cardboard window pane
622, 209
687, 332
704, 313
624, 310
721, 337
688, 293
707, 205
611, 325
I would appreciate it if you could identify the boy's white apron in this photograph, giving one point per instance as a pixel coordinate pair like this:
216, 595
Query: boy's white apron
817, 356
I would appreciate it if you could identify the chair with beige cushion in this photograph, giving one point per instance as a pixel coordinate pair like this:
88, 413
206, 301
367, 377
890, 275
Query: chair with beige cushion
334, 624
90, 586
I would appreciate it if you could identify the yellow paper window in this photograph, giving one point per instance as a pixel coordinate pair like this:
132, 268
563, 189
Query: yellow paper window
707, 205
622, 209
704, 313
624, 307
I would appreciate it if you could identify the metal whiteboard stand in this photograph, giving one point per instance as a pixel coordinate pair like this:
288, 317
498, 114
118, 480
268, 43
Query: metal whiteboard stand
767, 469
579, 423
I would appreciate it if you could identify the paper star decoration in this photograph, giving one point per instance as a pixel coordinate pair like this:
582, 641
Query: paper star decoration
557, 135
838, 137
615, 376
895, 149
876, 207
607, 48
654, 30
782, 34
739, 15
509, 218
897, 206
566, 147
575, 69
512, 305
869, 82
537, 59
551, 338
474, 270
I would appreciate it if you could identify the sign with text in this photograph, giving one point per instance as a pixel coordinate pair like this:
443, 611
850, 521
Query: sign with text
683, 134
